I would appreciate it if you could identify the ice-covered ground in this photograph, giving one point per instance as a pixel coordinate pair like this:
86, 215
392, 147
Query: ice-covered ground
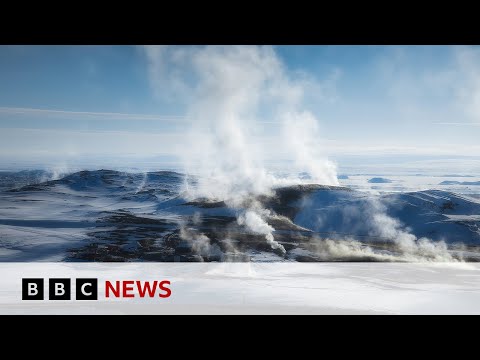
260, 288
463, 184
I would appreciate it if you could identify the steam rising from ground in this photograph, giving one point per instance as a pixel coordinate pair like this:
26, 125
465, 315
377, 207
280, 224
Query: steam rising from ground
233, 95
384, 226
200, 243
401, 243
352, 250
254, 221
55, 172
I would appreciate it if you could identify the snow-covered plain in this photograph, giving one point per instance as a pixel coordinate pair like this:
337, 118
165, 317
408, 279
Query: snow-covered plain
413, 182
260, 288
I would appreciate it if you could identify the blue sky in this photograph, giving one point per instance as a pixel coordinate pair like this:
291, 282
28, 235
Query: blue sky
103, 101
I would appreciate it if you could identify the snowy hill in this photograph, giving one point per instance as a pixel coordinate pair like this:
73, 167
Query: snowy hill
379, 180
108, 215
449, 182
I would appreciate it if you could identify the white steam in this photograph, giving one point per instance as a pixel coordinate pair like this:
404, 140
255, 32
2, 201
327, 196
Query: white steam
348, 249
395, 242
412, 248
237, 100
55, 172
245, 111
142, 183
255, 223
200, 243
301, 136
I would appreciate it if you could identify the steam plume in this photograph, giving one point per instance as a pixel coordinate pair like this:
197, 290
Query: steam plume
232, 94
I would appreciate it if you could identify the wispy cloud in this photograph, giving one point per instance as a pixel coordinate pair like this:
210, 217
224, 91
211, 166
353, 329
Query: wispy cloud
91, 114
100, 115
457, 123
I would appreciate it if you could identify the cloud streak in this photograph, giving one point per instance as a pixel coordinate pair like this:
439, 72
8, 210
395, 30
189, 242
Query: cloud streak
90, 114
457, 123
103, 115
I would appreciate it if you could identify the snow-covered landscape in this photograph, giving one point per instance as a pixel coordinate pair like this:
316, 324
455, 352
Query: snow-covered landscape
299, 179
106, 215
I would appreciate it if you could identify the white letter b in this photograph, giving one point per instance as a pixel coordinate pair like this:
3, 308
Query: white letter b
59, 289
32, 289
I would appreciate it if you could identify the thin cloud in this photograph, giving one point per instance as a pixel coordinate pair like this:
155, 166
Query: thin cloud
104, 115
457, 123
101, 115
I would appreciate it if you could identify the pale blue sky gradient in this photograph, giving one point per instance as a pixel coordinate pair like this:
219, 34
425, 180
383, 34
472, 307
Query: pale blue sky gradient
98, 101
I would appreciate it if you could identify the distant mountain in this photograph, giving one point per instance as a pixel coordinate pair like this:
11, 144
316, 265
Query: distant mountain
456, 175
379, 180
449, 182
16, 179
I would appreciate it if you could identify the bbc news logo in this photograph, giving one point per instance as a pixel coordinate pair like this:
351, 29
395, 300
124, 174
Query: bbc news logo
87, 289
60, 289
